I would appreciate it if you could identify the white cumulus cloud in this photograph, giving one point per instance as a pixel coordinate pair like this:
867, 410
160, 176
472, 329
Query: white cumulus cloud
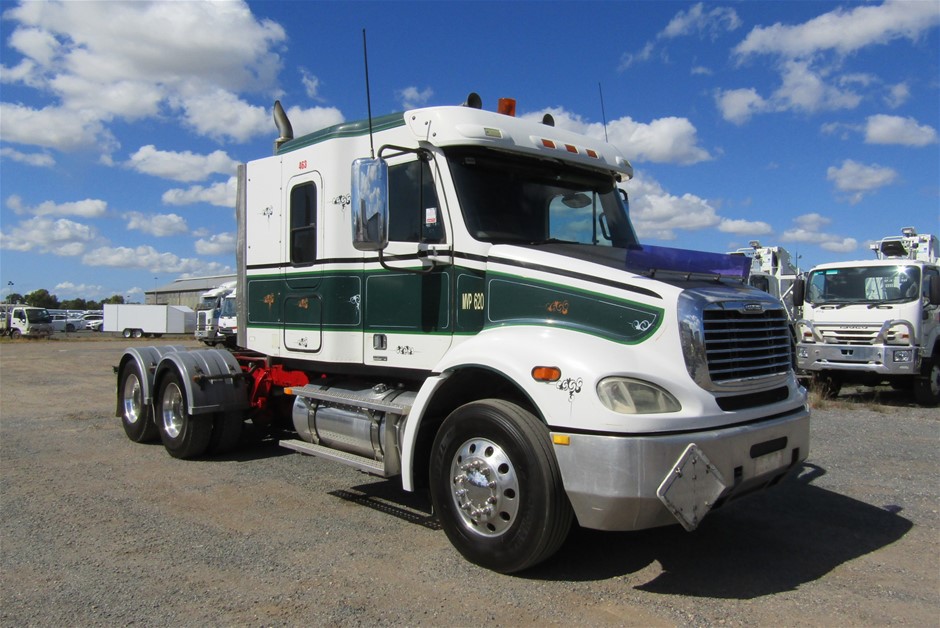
884, 129
857, 179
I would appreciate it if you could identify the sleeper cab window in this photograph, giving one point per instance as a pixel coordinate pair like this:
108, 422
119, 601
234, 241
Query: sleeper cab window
303, 224
414, 213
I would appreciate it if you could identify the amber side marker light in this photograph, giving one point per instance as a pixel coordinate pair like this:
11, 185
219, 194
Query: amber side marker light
561, 439
546, 373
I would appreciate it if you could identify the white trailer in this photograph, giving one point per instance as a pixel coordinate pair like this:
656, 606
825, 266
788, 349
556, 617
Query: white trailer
135, 320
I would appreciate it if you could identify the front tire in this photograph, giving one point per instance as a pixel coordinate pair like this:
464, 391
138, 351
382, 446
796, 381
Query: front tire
136, 416
927, 385
496, 486
183, 435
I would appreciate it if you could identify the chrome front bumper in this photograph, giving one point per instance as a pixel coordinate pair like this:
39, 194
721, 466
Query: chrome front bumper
882, 359
619, 482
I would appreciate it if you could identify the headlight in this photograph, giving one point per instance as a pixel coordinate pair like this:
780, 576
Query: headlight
632, 396
903, 355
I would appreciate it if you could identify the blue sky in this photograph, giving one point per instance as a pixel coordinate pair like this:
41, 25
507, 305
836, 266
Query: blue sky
807, 125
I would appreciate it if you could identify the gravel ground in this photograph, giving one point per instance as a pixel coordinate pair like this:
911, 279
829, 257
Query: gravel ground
97, 530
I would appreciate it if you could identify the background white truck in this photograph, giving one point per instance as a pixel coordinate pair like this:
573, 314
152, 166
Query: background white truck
472, 313
875, 321
228, 318
207, 314
772, 270
136, 320
24, 320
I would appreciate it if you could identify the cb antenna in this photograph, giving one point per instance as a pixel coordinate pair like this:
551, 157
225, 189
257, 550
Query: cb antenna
365, 56
603, 115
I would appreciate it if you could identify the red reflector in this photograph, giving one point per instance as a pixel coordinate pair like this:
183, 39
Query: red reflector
571, 149
548, 144
506, 106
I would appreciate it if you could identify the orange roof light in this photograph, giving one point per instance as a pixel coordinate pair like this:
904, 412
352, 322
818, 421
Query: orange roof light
548, 143
507, 106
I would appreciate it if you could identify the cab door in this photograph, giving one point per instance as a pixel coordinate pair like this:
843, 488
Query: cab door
301, 301
409, 288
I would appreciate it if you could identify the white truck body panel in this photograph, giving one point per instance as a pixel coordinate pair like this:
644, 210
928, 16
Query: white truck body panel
150, 319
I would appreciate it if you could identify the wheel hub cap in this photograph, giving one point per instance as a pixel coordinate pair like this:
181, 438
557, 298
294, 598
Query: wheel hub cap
485, 487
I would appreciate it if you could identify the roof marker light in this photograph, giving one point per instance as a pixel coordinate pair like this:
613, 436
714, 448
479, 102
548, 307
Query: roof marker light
571, 149
548, 143
507, 106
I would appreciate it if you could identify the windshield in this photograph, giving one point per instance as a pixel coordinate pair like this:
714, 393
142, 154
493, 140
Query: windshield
228, 307
507, 198
38, 316
866, 284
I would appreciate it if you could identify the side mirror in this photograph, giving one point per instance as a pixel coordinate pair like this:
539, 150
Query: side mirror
369, 199
933, 290
799, 292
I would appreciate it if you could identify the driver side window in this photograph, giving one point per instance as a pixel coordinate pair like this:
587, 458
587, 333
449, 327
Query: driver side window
413, 208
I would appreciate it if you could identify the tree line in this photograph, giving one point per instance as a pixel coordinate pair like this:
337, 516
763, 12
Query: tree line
42, 298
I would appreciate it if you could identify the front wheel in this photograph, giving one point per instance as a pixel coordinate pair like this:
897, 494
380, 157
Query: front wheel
135, 414
183, 435
496, 486
927, 385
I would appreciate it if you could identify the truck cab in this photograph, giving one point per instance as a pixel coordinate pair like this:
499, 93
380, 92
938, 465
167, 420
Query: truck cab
25, 320
457, 298
875, 321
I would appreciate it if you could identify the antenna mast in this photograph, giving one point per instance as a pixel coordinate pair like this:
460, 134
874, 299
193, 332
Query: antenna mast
365, 56
603, 115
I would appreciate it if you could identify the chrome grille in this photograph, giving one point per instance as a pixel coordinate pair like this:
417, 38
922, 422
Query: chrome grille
741, 345
849, 335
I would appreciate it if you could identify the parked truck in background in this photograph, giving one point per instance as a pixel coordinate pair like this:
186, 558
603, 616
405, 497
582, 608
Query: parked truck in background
25, 320
470, 311
772, 270
207, 314
135, 320
228, 318
875, 321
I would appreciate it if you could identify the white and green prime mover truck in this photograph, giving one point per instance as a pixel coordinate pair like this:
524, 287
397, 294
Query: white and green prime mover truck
875, 321
470, 311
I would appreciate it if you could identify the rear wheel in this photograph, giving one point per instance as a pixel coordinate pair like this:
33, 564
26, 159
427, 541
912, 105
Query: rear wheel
135, 415
127, 333
497, 488
183, 435
138, 333
927, 385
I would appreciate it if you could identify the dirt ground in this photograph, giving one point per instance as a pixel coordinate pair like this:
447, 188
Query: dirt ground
97, 530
